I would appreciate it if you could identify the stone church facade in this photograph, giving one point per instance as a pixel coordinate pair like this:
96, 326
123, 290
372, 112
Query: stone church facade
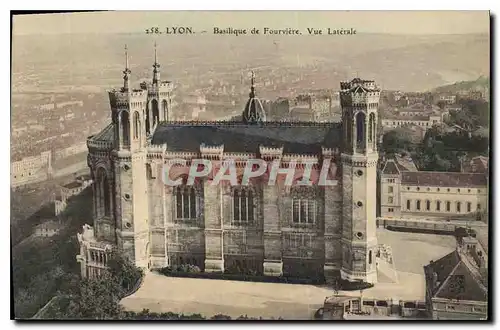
280, 229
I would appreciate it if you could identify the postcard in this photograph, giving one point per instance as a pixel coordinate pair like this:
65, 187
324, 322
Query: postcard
250, 165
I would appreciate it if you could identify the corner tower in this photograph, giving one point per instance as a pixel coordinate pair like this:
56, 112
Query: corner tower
128, 108
359, 100
159, 106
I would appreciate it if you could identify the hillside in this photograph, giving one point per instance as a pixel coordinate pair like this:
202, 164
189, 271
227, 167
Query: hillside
398, 62
478, 84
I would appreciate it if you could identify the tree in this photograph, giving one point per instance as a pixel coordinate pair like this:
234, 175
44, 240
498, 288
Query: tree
124, 272
398, 140
97, 299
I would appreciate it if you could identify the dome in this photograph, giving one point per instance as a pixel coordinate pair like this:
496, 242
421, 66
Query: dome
254, 111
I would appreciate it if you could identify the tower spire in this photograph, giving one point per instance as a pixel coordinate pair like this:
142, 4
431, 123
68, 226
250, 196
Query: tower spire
156, 69
252, 88
126, 72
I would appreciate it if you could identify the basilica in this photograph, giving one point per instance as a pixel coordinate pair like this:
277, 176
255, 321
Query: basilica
275, 230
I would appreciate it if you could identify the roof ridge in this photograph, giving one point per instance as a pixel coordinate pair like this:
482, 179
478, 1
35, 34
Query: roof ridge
441, 286
476, 275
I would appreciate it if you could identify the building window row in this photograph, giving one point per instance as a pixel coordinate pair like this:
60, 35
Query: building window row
446, 206
447, 189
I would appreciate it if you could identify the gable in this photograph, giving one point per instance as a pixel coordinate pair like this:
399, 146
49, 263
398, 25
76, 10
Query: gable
462, 285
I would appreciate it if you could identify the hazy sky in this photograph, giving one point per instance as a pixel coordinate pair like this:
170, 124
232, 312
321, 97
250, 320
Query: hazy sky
400, 22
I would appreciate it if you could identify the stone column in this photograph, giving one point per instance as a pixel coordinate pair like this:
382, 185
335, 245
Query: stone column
333, 233
273, 263
168, 212
214, 252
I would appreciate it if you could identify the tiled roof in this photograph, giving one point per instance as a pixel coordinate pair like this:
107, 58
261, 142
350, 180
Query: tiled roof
455, 276
106, 134
301, 138
391, 167
444, 179
406, 163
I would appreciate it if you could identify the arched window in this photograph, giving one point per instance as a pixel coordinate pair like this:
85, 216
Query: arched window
371, 133
448, 206
243, 205
103, 200
156, 112
360, 130
137, 125
125, 128
418, 205
148, 125
185, 202
427, 205
438, 205
165, 109
408, 204
459, 207
149, 172
370, 257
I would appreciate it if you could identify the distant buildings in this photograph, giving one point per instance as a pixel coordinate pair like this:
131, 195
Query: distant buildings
448, 98
456, 284
406, 193
71, 189
47, 229
31, 169
425, 121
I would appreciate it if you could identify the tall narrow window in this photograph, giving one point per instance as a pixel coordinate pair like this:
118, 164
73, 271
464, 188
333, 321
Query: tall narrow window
370, 257
427, 205
418, 205
438, 205
137, 125
185, 202
243, 205
165, 109
459, 206
125, 127
103, 200
360, 130
371, 128
156, 112
408, 205
448, 206
469, 206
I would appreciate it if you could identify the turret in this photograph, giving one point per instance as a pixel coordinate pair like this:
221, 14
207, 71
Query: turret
128, 109
359, 100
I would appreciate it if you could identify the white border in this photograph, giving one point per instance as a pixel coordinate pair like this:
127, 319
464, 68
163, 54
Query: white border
198, 5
